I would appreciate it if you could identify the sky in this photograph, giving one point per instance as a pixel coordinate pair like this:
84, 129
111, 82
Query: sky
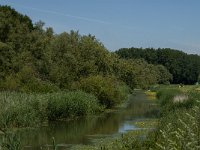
121, 23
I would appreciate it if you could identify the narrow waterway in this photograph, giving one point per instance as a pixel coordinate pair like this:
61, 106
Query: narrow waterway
88, 130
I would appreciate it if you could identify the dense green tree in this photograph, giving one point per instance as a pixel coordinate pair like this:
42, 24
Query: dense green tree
164, 76
6, 54
184, 67
125, 71
33, 57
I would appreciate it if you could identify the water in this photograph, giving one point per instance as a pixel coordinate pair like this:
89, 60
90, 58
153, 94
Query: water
87, 130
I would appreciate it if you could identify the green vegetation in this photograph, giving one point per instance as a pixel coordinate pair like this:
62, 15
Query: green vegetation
71, 104
108, 90
185, 68
150, 123
20, 110
46, 76
29, 110
151, 95
177, 128
35, 62
34, 59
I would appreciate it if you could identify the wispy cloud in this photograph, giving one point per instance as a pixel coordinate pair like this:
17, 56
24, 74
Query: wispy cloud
62, 14
74, 16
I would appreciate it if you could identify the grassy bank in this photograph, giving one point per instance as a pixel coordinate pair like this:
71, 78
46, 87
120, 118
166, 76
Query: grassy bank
21, 110
179, 126
28, 110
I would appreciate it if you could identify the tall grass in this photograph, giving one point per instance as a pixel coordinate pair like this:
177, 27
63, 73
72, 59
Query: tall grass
180, 127
27, 110
10, 141
21, 110
173, 99
31, 110
71, 104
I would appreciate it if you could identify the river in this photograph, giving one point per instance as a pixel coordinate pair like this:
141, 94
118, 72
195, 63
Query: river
87, 130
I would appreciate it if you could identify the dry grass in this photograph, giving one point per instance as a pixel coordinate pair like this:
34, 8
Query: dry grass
180, 98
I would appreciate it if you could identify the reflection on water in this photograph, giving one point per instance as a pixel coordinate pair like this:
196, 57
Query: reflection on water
84, 130
126, 126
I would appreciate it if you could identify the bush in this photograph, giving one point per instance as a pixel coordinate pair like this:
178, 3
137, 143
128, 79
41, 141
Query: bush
71, 104
108, 90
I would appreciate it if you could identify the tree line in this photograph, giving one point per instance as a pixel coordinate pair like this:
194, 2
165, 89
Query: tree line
35, 59
185, 68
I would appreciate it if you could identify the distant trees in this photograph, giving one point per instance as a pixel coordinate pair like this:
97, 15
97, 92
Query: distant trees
185, 68
164, 76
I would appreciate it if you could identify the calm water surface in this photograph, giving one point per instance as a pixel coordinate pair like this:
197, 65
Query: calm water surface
87, 130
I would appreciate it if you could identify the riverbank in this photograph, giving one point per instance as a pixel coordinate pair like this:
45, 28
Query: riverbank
31, 110
147, 132
86, 130
177, 128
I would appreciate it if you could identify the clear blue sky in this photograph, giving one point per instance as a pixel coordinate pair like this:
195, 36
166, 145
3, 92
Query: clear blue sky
122, 23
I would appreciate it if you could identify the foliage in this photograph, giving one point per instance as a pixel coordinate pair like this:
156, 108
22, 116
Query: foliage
186, 136
108, 89
177, 129
71, 104
172, 99
185, 68
34, 60
27, 110
138, 73
27, 81
164, 77
31, 55
10, 141
21, 110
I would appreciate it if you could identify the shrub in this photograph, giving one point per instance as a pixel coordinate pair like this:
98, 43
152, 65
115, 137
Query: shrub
108, 89
71, 104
